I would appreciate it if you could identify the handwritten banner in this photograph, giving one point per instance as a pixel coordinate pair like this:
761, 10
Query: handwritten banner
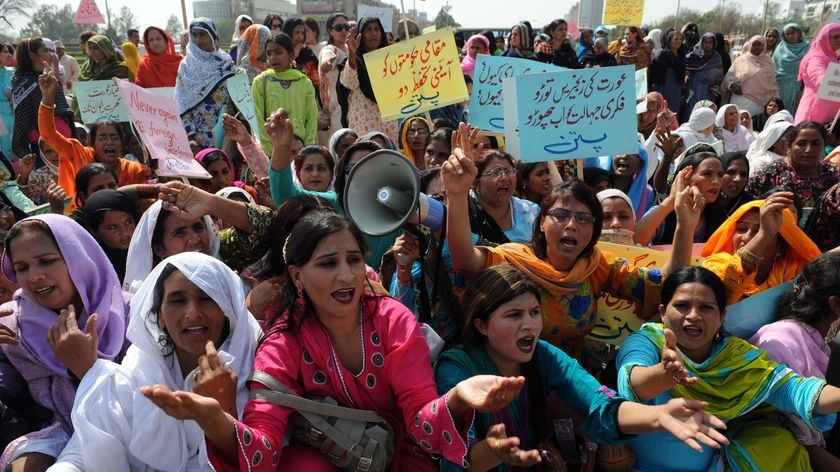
161, 130
420, 74
100, 100
239, 89
830, 86
88, 14
486, 103
623, 12
617, 317
577, 114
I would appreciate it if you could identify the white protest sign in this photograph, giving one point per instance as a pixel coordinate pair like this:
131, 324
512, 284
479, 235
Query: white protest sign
161, 130
641, 90
830, 86
385, 15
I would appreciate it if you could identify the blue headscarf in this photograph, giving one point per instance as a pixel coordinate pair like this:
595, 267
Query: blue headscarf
641, 194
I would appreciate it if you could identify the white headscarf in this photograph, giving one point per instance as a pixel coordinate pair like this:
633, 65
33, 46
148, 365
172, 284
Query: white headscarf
735, 140
142, 436
778, 117
140, 256
616, 193
760, 154
690, 131
655, 36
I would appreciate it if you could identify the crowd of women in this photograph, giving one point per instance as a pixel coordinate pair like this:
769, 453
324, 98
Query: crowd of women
158, 324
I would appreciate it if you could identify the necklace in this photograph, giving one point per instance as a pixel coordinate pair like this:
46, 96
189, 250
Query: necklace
338, 365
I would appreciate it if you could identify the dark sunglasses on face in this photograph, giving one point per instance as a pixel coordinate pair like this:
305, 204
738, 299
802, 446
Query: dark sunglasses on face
562, 215
342, 27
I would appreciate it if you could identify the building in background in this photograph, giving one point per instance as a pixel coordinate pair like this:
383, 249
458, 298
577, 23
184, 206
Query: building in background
819, 10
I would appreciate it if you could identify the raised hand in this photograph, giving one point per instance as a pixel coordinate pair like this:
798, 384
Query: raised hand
353, 43
48, 83
672, 363
213, 380
56, 197
489, 393
507, 450
689, 202
27, 165
459, 171
75, 349
669, 143
279, 130
235, 130
7, 336
687, 421
178, 197
771, 212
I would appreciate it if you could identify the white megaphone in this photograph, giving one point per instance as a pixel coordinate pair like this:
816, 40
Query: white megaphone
382, 193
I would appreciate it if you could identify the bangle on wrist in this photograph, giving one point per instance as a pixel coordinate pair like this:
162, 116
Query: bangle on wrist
51, 107
748, 257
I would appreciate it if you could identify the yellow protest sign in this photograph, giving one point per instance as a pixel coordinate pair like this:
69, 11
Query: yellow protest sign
616, 317
420, 74
623, 12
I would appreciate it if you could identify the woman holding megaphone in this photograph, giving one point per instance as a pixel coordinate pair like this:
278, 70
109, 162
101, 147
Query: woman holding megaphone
562, 257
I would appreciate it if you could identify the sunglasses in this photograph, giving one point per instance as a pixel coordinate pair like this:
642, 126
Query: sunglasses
563, 215
342, 27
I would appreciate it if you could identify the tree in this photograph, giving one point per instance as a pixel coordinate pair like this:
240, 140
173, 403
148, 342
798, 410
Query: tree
124, 21
174, 27
55, 23
10, 9
444, 19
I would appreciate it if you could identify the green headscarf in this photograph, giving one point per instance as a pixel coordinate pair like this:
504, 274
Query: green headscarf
91, 70
788, 55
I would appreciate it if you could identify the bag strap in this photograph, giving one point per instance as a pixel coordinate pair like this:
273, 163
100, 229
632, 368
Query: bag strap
282, 395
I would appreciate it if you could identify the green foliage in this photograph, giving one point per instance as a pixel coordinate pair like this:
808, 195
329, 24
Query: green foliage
12, 12
174, 27
55, 23
225, 30
444, 19
122, 22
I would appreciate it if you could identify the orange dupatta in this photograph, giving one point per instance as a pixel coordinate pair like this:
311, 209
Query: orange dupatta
722, 260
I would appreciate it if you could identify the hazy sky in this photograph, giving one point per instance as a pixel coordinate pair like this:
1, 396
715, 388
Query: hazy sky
493, 13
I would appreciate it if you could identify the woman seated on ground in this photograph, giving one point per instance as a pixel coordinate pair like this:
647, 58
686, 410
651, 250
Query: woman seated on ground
758, 247
414, 135
40, 339
106, 146
502, 338
183, 291
111, 218
362, 349
535, 180
495, 214
730, 130
808, 320
706, 175
181, 222
773, 106
772, 145
89, 180
803, 172
688, 356
733, 184
562, 257
631, 175
598, 56
824, 220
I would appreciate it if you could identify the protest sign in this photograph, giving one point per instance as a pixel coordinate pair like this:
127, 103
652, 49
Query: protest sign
385, 15
577, 114
239, 89
744, 318
100, 100
512, 145
161, 130
641, 90
487, 108
88, 14
830, 86
168, 92
617, 317
417, 75
623, 12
